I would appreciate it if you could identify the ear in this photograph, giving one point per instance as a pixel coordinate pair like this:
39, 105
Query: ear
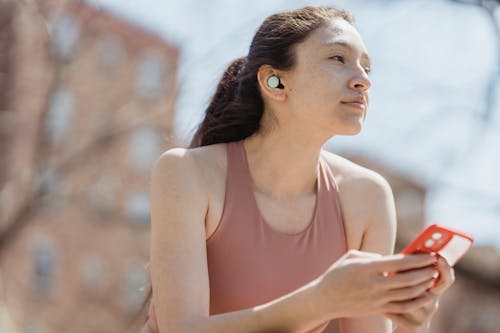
276, 94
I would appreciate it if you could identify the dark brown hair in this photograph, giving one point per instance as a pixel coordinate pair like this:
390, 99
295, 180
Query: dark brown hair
236, 108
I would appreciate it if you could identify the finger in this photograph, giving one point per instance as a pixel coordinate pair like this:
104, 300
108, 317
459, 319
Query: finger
408, 293
420, 315
407, 306
445, 279
428, 310
432, 307
403, 262
417, 317
362, 254
409, 278
402, 320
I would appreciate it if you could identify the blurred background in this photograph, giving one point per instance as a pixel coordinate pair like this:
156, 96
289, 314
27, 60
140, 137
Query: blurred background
92, 92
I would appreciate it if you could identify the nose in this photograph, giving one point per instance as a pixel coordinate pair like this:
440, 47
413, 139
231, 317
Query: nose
360, 80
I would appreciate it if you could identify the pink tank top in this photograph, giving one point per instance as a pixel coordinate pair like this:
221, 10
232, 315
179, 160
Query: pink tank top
249, 263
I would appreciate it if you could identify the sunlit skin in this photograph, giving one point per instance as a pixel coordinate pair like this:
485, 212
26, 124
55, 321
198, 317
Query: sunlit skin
332, 67
325, 94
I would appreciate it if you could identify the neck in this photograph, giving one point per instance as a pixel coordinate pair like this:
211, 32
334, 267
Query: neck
283, 166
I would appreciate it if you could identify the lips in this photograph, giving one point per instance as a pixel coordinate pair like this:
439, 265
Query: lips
356, 102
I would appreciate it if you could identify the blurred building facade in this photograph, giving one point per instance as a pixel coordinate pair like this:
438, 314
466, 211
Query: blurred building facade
86, 106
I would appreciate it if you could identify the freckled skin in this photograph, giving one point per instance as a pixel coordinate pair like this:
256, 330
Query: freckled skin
318, 83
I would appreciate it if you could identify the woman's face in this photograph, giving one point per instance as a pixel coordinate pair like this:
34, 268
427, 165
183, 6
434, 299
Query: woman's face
328, 87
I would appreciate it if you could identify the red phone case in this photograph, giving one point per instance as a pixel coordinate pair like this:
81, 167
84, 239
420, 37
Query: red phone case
448, 243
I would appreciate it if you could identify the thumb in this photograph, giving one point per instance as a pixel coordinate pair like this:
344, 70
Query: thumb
362, 254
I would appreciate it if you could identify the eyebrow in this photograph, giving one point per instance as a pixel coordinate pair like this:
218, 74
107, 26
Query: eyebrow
346, 45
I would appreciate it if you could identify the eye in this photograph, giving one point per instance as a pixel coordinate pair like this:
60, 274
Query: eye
338, 58
367, 70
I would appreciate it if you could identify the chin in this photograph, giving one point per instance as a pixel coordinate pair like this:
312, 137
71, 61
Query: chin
352, 129
351, 133
349, 127
347, 132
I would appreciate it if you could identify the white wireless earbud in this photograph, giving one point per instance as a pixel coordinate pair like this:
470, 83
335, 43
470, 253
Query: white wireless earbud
273, 81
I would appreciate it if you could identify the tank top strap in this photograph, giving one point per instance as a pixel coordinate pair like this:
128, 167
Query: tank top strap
330, 200
238, 181
327, 175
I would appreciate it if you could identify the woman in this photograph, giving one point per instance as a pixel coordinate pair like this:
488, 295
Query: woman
256, 229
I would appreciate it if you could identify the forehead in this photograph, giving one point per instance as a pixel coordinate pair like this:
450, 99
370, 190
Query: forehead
332, 32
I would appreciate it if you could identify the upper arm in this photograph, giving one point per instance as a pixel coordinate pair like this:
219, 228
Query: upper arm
179, 271
380, 226
377, 218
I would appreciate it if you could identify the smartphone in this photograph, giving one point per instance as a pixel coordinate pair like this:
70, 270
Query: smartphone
446, 242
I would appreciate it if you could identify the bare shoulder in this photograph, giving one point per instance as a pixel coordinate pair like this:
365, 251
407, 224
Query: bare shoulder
367, 202
350, 175
196, 165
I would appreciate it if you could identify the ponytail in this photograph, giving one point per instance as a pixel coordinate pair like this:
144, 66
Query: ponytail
235, 110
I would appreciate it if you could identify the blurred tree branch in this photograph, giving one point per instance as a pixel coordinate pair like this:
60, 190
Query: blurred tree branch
489, 7
486, 117
32, 189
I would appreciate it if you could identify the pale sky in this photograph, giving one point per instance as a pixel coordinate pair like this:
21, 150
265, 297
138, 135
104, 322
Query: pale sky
432, 62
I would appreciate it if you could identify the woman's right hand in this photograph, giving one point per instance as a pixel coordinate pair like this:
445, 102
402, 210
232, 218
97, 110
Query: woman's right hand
359, 284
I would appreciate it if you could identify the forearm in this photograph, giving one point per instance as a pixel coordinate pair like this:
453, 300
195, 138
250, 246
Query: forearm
293, 313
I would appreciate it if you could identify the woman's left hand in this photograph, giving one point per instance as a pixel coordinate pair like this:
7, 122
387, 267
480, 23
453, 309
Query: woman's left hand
421, 317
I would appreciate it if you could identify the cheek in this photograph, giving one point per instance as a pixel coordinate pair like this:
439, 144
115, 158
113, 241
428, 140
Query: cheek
319, 87
315, 89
